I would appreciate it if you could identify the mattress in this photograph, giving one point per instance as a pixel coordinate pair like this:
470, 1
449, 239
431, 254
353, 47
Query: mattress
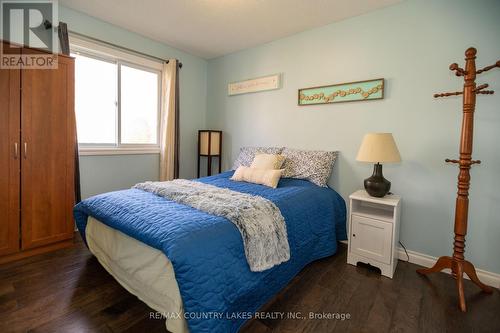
144, 271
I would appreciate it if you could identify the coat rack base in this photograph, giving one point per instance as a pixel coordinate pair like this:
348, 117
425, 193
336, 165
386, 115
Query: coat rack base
458, 268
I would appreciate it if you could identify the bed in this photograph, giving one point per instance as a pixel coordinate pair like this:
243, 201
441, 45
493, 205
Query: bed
191, 266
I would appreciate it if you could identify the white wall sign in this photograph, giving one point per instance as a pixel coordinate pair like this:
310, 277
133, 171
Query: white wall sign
254, 85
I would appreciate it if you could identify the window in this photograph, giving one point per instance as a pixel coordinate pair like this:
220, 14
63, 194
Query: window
96, 91
139, 100
117, 99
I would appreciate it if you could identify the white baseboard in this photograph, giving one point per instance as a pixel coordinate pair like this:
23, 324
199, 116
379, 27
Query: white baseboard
489, 278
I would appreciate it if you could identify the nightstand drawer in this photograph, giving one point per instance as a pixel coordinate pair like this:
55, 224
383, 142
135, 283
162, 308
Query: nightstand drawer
371, 238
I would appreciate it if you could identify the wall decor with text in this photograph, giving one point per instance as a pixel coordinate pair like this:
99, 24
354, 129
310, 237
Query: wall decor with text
343, 92
269, 82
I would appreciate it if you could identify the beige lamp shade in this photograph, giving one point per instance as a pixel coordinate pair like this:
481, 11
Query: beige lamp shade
378, 147
210, 143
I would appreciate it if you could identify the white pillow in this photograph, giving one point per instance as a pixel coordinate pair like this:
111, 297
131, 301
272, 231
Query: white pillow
257, 176
267, 161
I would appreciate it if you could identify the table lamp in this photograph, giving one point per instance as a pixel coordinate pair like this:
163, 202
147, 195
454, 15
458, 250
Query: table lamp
378, 148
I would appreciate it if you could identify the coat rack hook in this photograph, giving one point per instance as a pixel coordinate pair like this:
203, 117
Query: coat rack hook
481, 87
458, 71
456, 93
487, 68
486, 92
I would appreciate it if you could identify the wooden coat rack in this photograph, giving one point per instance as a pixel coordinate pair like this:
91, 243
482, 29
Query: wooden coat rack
457, 263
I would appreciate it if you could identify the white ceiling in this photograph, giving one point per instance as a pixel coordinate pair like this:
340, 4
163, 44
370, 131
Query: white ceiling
211, 28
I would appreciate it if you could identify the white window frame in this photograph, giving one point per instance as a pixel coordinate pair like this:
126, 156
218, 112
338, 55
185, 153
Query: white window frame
103, 52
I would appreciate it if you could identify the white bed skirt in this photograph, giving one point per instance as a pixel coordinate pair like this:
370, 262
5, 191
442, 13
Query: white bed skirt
144, 271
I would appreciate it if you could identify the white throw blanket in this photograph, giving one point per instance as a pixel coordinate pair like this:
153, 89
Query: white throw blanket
259, 221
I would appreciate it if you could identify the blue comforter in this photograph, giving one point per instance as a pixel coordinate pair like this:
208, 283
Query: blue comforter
217, 287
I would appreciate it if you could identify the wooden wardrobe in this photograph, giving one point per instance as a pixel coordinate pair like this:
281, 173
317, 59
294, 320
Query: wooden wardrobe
37, 159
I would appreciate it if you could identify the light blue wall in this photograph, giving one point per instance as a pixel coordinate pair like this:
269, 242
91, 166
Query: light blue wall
105, 173
101, 174
411, 45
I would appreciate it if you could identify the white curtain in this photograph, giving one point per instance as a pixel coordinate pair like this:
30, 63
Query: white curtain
169, 143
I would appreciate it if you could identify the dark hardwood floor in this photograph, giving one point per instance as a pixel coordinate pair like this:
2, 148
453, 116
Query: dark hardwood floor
68, 291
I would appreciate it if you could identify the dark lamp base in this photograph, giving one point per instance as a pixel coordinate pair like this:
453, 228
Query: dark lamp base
377, 185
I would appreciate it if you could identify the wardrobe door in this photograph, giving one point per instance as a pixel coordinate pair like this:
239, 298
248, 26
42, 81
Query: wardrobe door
48, 139
9, 159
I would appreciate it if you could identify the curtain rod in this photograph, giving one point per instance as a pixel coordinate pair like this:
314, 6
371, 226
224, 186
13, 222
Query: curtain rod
120, 47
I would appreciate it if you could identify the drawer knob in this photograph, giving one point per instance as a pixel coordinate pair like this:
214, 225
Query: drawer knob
353, 235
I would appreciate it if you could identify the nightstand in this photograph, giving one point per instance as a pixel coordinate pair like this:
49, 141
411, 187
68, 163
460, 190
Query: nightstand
374, 231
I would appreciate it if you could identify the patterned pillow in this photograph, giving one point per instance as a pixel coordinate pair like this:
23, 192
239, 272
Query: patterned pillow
247, 154
315, 166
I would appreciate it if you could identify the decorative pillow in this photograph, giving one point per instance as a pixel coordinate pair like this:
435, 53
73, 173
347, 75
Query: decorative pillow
257, 176
315, 166
247, 154
267, 161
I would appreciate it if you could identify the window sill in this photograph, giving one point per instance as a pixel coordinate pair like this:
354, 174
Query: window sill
117, 151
